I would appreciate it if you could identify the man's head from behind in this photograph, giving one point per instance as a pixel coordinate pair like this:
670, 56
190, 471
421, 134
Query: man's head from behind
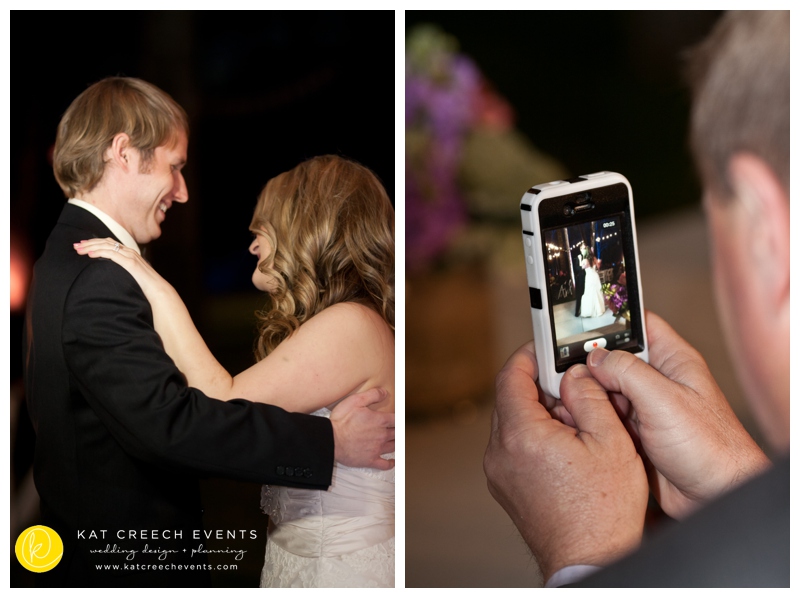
149, 117
740, 138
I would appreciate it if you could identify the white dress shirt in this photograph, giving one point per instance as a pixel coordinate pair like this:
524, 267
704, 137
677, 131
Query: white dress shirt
114, 226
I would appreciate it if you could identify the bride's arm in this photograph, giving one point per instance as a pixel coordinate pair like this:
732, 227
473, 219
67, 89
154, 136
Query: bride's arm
332, 355
344, 349
171, 319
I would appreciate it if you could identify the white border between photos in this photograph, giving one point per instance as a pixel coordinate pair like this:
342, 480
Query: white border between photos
400, 303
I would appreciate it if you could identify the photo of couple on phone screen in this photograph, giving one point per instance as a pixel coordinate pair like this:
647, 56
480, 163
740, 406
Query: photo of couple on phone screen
587, 286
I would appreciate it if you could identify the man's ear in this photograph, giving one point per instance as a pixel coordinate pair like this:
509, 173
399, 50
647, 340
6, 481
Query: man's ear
120, 152
765, 205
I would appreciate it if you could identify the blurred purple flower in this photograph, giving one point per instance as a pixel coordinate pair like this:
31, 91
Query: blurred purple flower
440, 110
617, 298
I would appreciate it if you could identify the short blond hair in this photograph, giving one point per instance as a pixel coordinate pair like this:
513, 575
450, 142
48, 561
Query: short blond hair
331, 226
148, 115
740, 84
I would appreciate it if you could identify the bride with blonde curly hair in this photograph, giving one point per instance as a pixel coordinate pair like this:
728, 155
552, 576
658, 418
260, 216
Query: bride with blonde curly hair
324, 239
335, 224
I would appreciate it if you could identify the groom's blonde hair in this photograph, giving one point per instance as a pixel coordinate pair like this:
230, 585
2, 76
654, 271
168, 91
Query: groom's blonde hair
148, 115
331, 226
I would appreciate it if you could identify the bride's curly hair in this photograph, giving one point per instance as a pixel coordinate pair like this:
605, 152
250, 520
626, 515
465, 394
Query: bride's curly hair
331, 226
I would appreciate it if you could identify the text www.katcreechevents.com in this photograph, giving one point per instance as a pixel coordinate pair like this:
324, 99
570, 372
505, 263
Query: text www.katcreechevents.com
168, 567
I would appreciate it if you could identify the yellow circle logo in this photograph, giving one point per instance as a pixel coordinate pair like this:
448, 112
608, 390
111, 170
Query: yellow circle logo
39, 548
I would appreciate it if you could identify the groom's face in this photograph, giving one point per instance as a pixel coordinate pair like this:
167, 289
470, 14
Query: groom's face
155, 186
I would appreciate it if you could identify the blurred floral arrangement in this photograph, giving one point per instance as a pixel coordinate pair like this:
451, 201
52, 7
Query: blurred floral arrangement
617, 300
466, 165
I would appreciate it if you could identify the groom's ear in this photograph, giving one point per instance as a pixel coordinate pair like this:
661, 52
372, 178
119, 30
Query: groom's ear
120, 152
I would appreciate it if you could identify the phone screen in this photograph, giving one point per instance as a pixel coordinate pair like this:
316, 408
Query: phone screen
588, 287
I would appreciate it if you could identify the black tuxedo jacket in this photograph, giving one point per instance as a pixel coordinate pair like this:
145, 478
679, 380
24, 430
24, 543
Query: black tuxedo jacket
580, 281
740, 540
121, 440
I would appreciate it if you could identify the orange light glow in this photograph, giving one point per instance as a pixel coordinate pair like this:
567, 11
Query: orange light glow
18, 280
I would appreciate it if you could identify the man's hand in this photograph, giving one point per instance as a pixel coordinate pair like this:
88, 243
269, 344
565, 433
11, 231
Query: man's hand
576, 498
361, 435
697, 447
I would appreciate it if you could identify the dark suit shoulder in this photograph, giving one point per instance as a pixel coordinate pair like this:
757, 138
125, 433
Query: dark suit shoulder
116, 359
60, 263
740, 540
76, 224
103, 277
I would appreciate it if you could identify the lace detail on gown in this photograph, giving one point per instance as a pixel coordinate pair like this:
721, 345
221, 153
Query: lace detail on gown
342, 537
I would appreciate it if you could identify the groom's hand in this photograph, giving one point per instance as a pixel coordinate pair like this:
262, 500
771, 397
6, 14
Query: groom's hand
361, 435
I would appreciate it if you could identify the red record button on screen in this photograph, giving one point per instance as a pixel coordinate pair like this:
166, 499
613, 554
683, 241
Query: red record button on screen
594, 344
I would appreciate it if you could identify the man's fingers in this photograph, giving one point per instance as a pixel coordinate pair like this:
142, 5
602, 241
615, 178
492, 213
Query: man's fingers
670, 354
517, 393
495, 421
652, 388
560, 413
389, 430
387, 447
550, 403
588, 403
387, 421
523, 359
370, 397
363, 399
623, 372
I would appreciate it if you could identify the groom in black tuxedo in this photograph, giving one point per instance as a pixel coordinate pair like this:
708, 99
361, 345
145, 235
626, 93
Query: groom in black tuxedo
120, 439
580, 278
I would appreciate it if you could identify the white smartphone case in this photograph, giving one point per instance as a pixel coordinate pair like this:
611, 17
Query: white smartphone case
549, 379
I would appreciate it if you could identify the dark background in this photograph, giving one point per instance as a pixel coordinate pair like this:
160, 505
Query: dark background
597, 91
263, 91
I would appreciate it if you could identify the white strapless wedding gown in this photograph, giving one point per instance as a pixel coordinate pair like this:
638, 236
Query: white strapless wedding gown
593, 304
342, 537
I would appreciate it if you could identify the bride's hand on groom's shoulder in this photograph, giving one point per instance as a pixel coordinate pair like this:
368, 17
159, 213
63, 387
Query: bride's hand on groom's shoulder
361, 435
149, 280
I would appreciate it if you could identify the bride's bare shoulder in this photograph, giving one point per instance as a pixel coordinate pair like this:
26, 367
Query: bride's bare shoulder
349, 320
352, 333
361, 341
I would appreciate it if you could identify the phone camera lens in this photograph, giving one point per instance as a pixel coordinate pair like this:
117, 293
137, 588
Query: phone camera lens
569, 210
